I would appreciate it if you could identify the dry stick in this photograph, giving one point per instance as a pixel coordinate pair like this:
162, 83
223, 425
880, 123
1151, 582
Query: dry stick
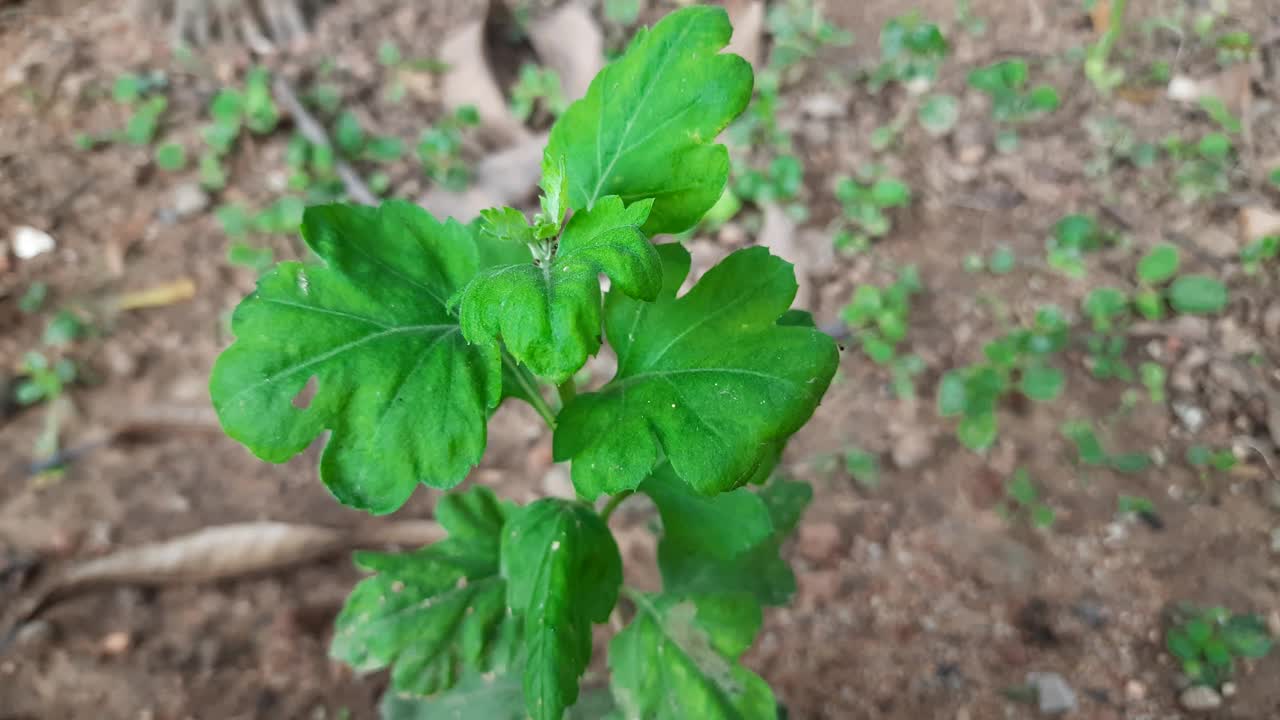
313, 131
216, 553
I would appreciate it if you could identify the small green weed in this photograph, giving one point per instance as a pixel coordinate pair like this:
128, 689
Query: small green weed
866, 202
911, 51
881, 317
440, 149
537, 90
1090, 452
1208, 642
863, 466
1258, 252
1203, 169
1018, 361
1022, 499
45, 381
1072, 238
1012, 102
800, 31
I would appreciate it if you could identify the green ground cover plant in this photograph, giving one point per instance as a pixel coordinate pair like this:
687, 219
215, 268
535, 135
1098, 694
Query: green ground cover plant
412, 330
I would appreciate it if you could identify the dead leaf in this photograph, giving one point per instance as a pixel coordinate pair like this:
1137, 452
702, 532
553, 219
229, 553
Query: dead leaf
169, 293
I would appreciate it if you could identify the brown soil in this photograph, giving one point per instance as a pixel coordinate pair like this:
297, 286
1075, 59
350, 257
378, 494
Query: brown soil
917, 598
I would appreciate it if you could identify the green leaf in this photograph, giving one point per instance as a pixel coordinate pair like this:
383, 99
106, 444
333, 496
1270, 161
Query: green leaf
1086, 441
227, 108
506, 225
1002, 261
1198, 631
435, 614
710, 378
491, 696
1134, 462
952, 396
978, 432
1159, 264
720, 527
1247, 636
1021, 490
678, 659
887, 192
759, 571
548, 313
371, 326
648, 124
555, 192
1043, 516
127, 89
939, 113
171, 156
563, 572
1198, 295
1181, 645
1042, 382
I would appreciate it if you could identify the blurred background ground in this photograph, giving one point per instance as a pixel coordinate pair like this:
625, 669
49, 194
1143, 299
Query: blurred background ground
919, 597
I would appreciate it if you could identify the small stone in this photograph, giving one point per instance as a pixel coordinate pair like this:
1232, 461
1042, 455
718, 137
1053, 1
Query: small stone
818, 540
29, 242
822, 106
33, 635
1135, 691
1053, 694
1228, 689
1218, 243
189, 199
1200, 698
1192, 417
1271, 320
912, 448
116, 643
1235, 340
119, 361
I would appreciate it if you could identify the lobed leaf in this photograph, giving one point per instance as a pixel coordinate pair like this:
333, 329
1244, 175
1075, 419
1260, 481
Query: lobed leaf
721, 526
759, 570
548, 314
711, 379
563, 572
437, 614
678, 659
646, 127
405, 397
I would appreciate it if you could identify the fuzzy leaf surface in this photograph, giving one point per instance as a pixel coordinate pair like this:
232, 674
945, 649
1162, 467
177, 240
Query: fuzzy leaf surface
648, 123
371, 325
436, 614
759, 570
678, 659
710, 379
549, 315
563, 572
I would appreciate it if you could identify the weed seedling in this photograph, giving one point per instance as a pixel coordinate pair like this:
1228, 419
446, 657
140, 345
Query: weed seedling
1012, 103
1208, 642
1097, 67
911, 51
801, 31
33, 299
1203, 169
413, 330
881, 317
1072, 238
863, 466
1258, 252
1090, 452
1022, 499
440, 149
1017, 361
866, 203
537, 89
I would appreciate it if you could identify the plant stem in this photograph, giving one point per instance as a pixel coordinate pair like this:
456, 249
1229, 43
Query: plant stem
531, 389
568, 390
613, 504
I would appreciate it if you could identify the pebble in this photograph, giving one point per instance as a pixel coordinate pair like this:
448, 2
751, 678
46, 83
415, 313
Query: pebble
116, 643
1228, 689
189, 199
818, 540
29, 242
1200, 698
1235, 340
1218, 243
822, 106
1054, 695
1271, 320
1192, 417
912, 448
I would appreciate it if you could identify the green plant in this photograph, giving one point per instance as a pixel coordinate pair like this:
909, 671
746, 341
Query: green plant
1259, 251
414, 330
866, 202
1017, 361
440, 149
911, 51
145, 121
1117, 143
800, 32
881, 318
171, 156
1023, 499
965, 18
863, 466
1154, 378
33, 299
1205, 459
537, 88
1208, 642
1204, 168
1104, 76
1072, 238
1012, 103
231, 111
44, 381
1090, 452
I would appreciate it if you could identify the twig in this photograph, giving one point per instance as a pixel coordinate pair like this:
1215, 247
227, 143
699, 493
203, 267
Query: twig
313, 131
